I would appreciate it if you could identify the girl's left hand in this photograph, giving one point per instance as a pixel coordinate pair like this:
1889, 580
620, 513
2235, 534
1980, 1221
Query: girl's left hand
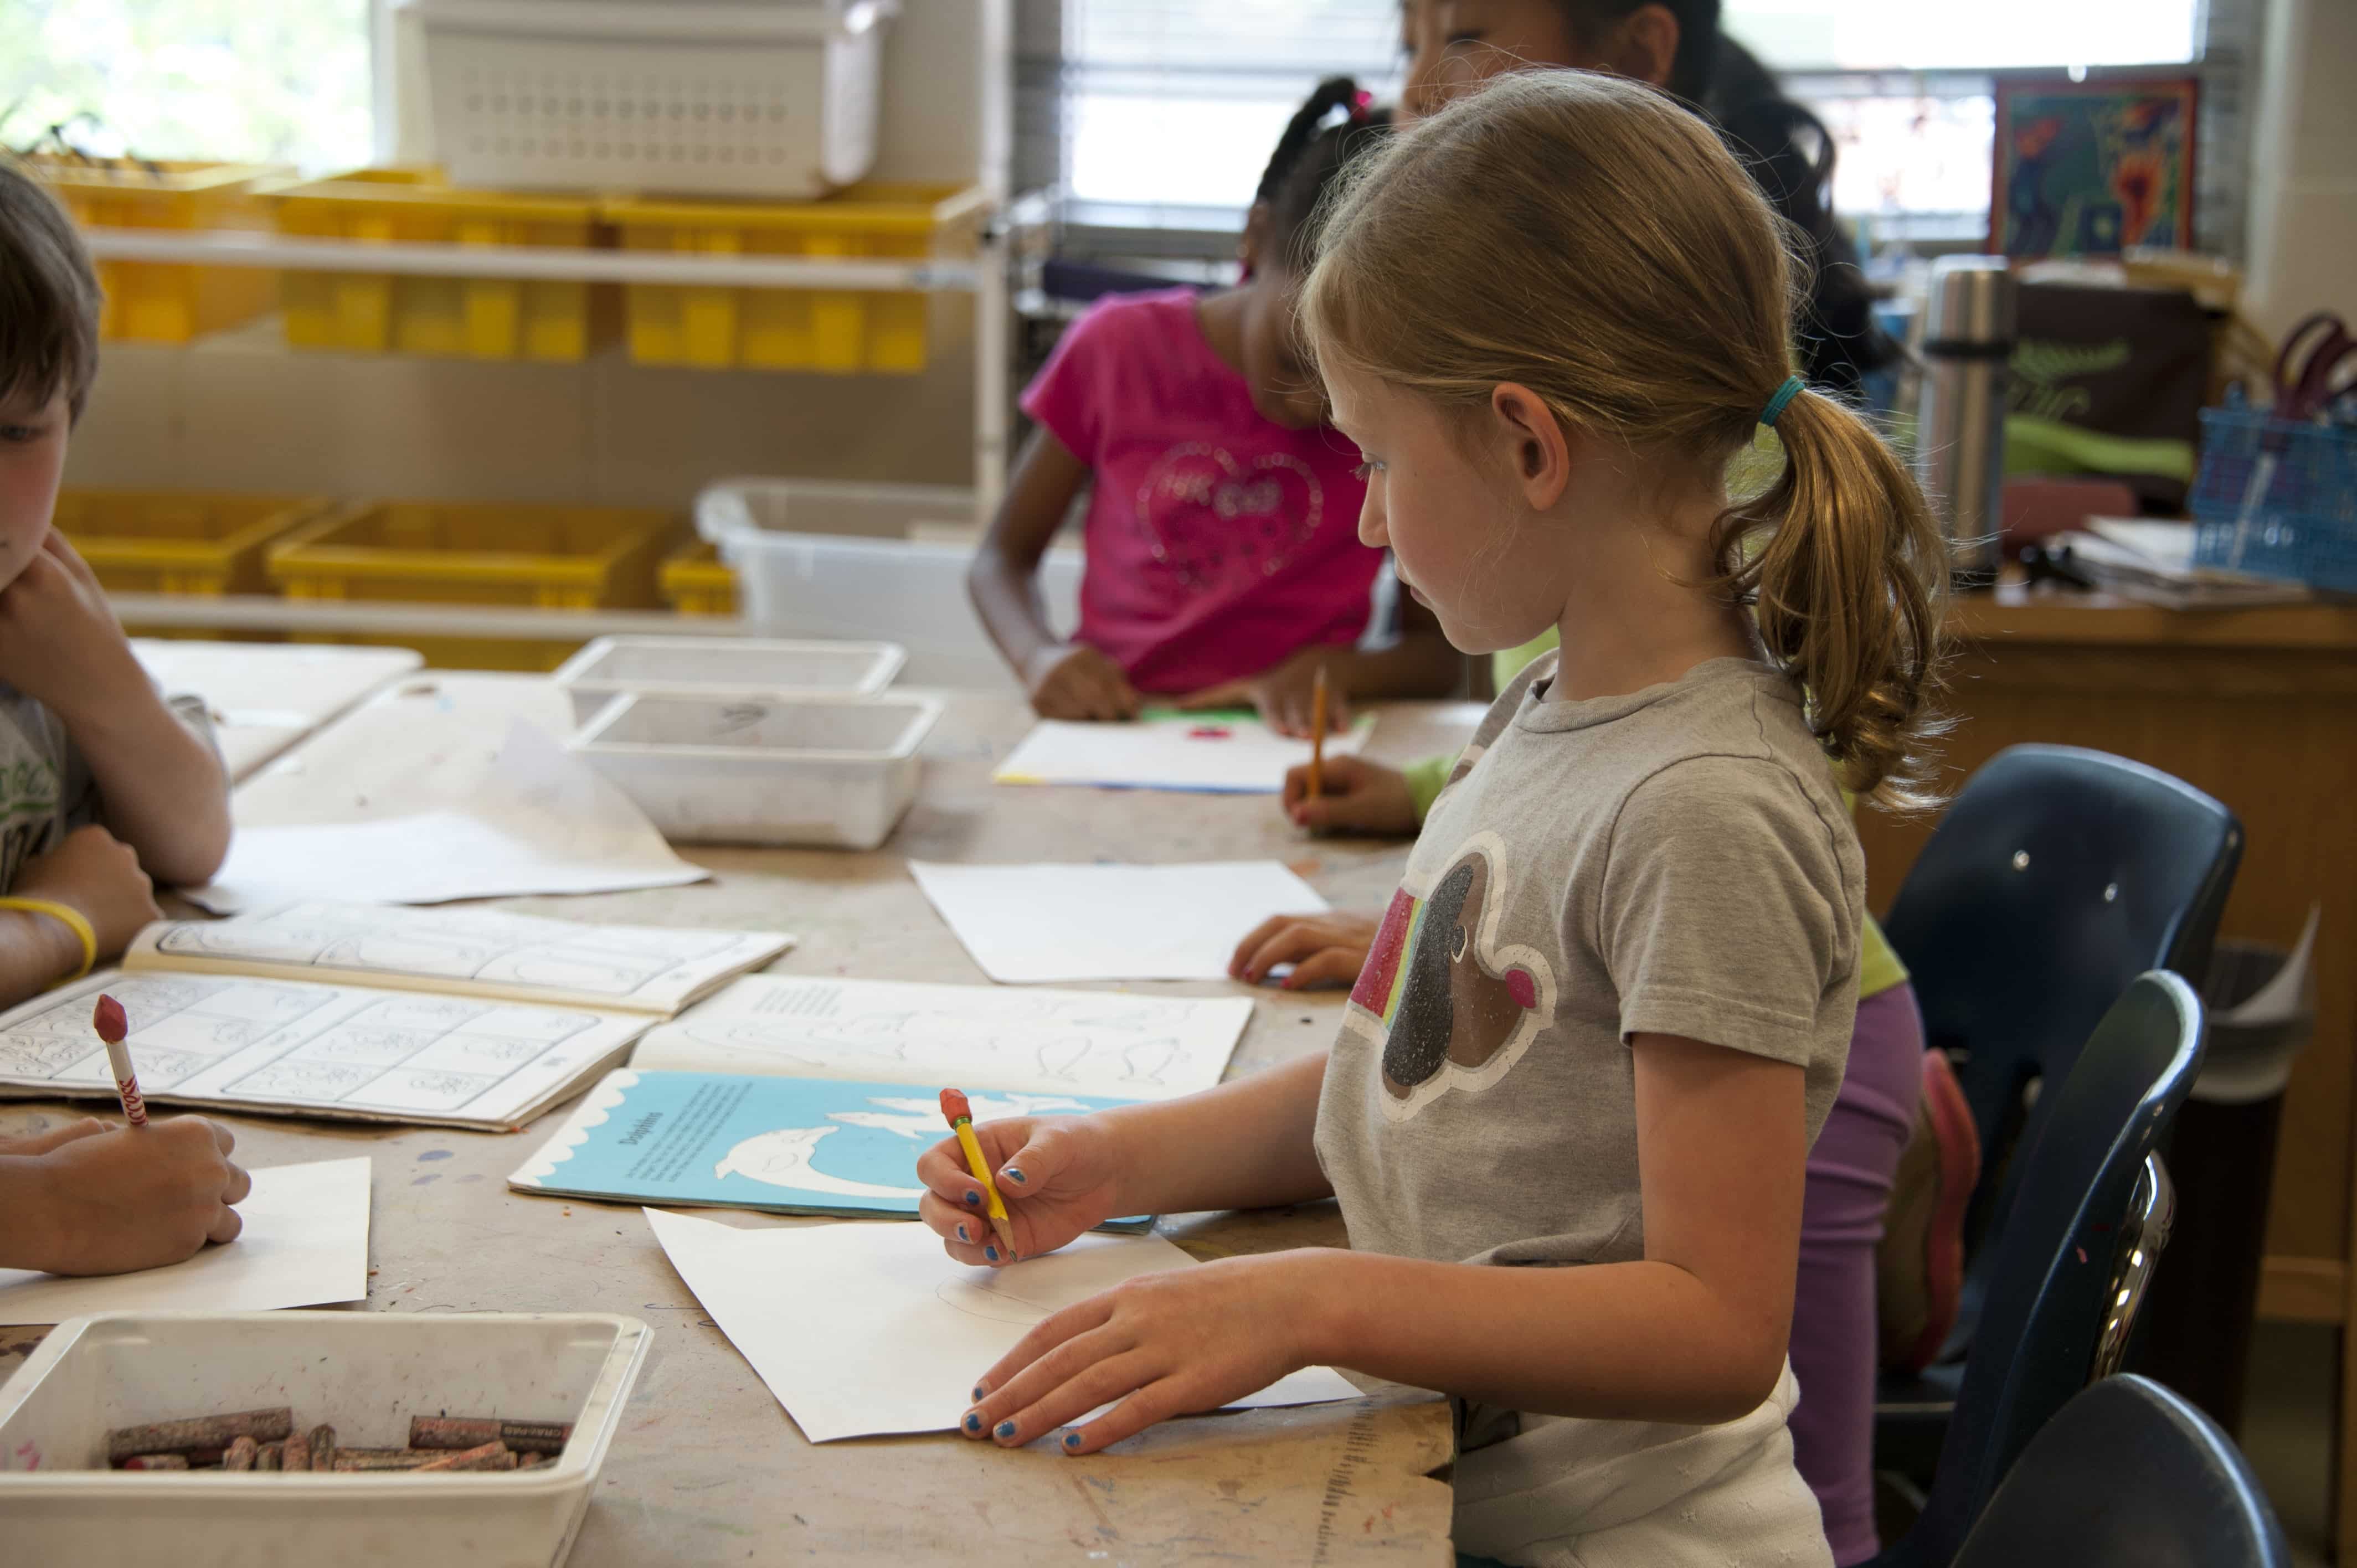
1162, 1345
1285, 696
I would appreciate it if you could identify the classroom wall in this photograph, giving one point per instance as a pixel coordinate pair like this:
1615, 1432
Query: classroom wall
2303, 222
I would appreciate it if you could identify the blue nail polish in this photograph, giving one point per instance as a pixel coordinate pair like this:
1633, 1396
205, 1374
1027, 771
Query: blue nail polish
972, 1421
978, 1391
1005, 1429
973, 1201
1071, 1440
991, 1253
1018, 1177
962, 1235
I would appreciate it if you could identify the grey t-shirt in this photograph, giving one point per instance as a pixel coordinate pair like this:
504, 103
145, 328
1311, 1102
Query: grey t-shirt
46, 788
1671, 861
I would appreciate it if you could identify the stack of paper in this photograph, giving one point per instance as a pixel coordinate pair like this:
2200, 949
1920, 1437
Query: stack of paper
1047, 923
861, 1330
1222, 753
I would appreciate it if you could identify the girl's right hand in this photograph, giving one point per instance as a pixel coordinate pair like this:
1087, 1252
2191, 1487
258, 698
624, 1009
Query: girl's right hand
1073, 681
1059, 1177
1357, 797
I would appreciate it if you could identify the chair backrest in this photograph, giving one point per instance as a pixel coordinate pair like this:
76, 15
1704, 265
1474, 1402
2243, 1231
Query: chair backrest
2056, 876
2129, 1475
2052, 1277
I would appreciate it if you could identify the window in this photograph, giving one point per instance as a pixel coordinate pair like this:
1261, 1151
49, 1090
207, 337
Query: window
236, 80
1180, 102
1177, 103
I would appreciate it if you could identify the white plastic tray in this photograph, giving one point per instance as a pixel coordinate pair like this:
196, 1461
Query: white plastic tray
834, 773
850, 561
724, 666
365, 1373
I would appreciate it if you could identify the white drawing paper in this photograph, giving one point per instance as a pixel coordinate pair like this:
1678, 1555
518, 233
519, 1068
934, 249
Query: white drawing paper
305, 1244
540, 821
298, 1048
1200, 753
266, 696
1040, 1042
464, 952
861, 1330
1043, 923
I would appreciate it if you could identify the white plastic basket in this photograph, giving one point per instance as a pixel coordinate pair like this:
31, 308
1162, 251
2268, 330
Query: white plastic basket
818, 560
757, 98
833, 773
724, 666
366, 1373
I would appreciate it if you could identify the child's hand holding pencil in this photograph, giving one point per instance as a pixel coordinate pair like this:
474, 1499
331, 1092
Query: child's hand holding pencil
1056, 1177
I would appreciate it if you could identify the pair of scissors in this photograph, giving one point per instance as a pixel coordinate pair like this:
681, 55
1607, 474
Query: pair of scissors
2309, 364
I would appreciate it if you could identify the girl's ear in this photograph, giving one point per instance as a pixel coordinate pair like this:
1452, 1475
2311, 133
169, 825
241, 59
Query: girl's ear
1645, 45
1253, 249
1540, 456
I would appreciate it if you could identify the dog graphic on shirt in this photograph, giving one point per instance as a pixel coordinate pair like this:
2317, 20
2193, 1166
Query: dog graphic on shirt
1454, 1009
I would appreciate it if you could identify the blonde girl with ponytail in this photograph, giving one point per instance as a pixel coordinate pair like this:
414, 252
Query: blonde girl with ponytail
1607, 1012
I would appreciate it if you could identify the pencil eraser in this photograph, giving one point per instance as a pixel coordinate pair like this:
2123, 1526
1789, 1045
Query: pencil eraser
108, 1020
954, 1107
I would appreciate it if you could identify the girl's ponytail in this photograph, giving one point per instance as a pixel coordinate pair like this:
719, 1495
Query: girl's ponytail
1846, 573
1334, 93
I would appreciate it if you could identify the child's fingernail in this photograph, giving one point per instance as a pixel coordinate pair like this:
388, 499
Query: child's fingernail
1018, 1177
991, 1253
973, 1201
962, 1235
973, 1423
1071, 1440
978, 1391
1005, 1429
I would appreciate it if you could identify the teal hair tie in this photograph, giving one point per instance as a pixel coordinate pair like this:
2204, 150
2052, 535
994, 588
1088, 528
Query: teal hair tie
1784, 395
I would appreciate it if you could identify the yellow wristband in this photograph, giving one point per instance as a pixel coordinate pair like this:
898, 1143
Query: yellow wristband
68, 916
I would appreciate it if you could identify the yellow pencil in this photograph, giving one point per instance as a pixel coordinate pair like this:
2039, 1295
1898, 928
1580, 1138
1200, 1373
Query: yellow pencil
1317, 735
961, 1120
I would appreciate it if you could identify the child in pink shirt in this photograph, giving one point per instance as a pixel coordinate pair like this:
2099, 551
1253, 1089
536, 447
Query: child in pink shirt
1224, 564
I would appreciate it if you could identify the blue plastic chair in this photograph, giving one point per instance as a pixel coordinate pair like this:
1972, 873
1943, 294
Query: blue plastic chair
2056, 1312
2128, 1475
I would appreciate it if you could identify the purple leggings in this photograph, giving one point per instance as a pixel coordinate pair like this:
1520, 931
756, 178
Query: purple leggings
1850, 1172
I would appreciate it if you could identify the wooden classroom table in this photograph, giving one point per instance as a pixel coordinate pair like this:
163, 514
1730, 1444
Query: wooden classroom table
2259, 709
706, 1467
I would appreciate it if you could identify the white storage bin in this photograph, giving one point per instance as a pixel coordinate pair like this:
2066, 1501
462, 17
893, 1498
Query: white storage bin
800, 573
837, 773
724, 666
364, 1372
761, 97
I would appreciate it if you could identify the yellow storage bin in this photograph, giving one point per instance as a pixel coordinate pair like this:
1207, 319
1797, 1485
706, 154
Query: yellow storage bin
697, 583
478, 318
837, 331
554, 557
178, 541
166, 302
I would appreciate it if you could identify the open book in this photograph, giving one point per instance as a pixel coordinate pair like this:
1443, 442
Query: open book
457, 1017
815, 1095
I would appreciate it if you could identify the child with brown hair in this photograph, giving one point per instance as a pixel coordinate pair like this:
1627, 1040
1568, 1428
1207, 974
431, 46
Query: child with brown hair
1568, 1113
104, 789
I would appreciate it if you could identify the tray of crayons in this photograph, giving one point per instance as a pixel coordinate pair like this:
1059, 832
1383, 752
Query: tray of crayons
357, 1438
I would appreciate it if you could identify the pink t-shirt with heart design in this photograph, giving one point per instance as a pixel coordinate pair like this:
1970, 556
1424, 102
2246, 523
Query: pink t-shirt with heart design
1219, 544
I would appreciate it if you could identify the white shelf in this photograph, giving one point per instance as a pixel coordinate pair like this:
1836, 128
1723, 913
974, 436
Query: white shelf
241, 247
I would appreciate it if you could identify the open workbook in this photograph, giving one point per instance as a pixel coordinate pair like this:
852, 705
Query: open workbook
457, 1017
808, 1095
